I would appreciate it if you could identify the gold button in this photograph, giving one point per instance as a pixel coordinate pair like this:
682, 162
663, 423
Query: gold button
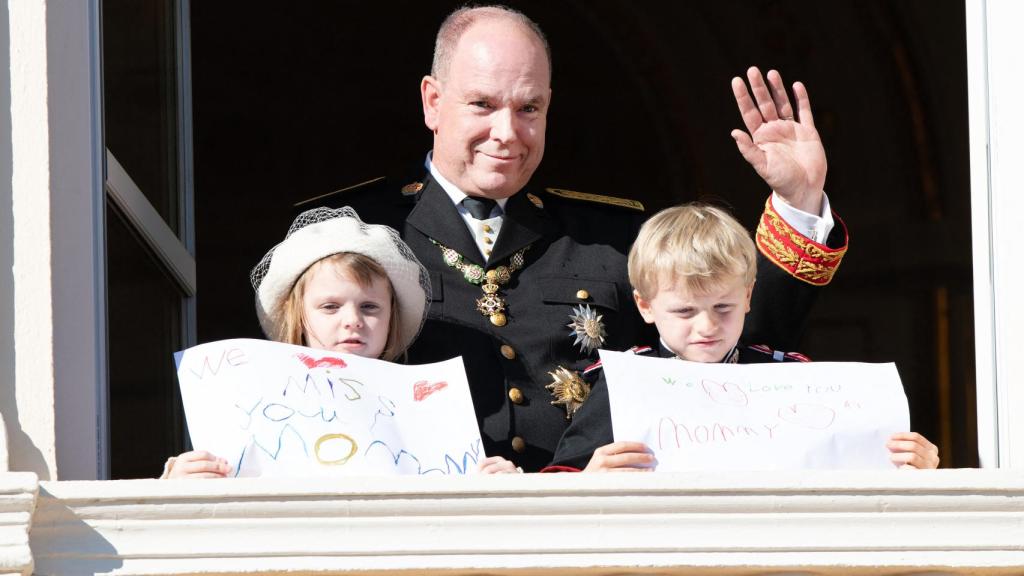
508, 352
487, 240
487, 252
487, 229
515, 395
518, 444
582, 294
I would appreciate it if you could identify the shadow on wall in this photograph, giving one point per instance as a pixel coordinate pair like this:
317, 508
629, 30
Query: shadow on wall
60, 522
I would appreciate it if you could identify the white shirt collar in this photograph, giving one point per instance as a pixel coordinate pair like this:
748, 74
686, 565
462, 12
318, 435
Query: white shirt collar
452, 190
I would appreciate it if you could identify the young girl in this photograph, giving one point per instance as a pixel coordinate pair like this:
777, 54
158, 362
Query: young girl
335, 283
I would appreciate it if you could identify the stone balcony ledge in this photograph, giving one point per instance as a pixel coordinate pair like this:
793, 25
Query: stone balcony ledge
812, 522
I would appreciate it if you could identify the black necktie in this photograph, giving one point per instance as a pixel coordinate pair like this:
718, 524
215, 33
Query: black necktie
479, 208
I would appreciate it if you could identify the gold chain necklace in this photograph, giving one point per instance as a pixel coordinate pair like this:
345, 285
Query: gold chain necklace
491, 304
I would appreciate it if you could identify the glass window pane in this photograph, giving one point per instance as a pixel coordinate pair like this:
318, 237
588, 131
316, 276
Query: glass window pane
140, 97
143, 329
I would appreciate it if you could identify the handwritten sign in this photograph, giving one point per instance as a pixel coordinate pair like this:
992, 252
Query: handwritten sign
778, 416
275, 409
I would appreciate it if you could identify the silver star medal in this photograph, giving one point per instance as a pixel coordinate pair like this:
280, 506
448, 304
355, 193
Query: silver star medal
586, 326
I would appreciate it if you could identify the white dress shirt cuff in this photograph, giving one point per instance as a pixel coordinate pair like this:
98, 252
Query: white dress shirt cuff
815, 227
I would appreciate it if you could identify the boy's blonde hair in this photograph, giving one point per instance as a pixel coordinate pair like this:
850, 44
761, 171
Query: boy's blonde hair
364, 270
695, 244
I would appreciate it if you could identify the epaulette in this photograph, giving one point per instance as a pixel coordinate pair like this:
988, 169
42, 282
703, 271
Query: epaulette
322, 197
633, 350
778, 355
598, 198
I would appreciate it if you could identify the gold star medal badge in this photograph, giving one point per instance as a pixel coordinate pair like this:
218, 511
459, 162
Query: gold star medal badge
569, 390
587, 327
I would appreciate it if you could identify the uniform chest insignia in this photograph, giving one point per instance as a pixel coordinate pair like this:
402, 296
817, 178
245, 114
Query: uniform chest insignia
587, 327
598, 198
569, 390
412, 188
491, 304
535, 200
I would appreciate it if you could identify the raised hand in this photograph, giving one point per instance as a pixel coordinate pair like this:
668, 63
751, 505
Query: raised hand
781, 143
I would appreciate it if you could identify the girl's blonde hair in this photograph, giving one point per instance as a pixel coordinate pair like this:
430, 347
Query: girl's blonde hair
696, 244
364, 270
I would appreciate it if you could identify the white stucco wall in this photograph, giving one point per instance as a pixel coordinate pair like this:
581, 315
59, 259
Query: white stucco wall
8, 404
33, 442
52, 298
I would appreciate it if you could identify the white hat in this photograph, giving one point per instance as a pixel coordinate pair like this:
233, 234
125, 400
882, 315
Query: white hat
321, 232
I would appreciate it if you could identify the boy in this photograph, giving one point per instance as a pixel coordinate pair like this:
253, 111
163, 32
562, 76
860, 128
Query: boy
692, 268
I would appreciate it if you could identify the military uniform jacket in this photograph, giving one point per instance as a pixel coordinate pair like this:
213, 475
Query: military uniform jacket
576, 256
591, 426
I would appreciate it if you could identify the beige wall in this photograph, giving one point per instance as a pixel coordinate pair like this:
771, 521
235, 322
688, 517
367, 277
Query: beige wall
52, 338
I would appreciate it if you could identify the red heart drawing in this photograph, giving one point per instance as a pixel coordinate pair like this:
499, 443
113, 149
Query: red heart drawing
326, 362
422, 389
729, 394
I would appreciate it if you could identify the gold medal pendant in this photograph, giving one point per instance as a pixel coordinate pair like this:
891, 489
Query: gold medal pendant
490, 304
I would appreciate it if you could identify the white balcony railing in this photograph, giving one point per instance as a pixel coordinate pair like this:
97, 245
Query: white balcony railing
898, 522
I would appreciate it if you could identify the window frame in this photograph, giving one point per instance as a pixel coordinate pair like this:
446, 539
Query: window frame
997, 209
175, 252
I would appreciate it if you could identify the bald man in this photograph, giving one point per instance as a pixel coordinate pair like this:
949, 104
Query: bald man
529, 282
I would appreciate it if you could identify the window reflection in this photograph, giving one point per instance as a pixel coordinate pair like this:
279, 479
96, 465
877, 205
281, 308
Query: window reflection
140, 97
144, 327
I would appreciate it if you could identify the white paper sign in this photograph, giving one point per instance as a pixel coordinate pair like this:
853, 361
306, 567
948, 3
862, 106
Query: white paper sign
778, 416
275, 409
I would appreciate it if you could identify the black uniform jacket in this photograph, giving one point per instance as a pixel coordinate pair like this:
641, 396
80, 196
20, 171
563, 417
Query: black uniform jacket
576, 248
591, 426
